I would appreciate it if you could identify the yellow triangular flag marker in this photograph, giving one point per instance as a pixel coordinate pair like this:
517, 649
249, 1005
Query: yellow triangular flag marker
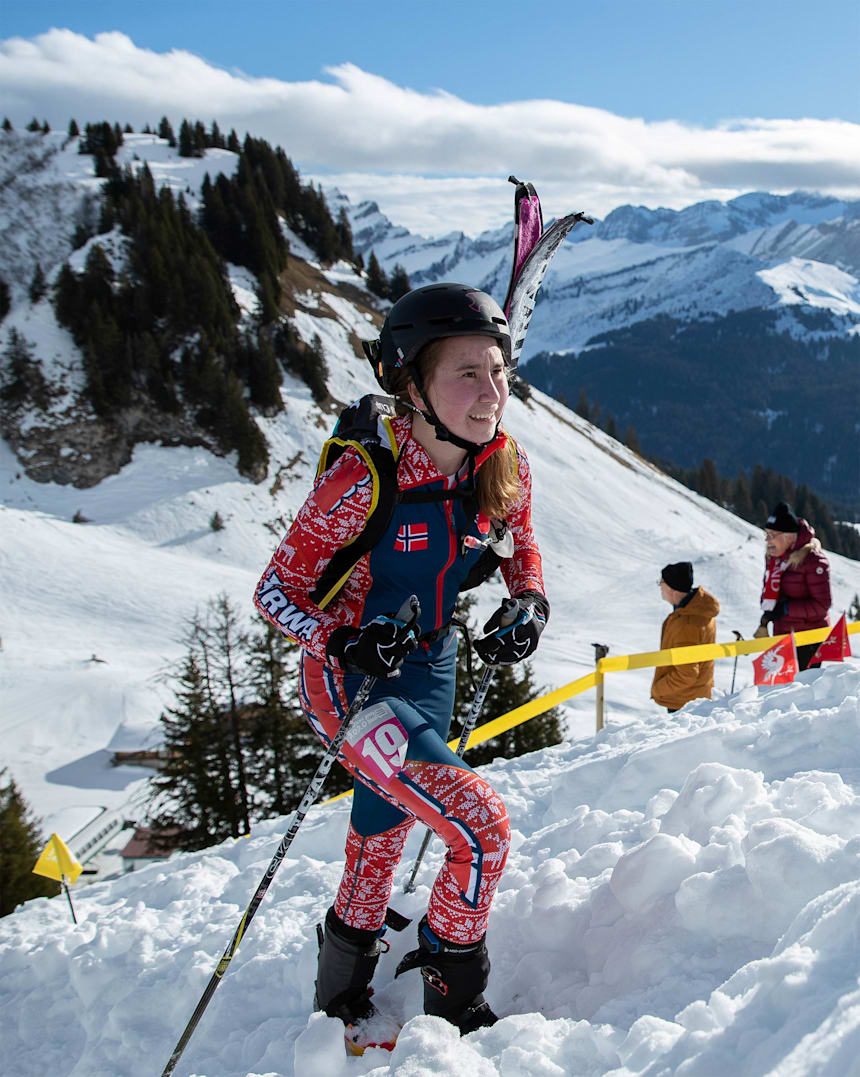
56, 861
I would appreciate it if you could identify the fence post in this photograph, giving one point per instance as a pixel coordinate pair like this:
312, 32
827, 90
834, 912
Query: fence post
600, 651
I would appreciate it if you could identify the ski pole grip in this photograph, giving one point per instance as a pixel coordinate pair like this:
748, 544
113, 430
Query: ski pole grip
410, 611
510, 612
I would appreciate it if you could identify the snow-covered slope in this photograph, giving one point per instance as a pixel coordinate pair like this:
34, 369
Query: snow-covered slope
681, 896
122, 586
680, 891
710, 258
48, 189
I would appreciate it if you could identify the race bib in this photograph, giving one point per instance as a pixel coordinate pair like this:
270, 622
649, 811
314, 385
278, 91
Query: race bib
380, 740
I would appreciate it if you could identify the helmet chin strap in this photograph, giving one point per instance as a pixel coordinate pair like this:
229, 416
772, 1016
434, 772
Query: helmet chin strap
442, 431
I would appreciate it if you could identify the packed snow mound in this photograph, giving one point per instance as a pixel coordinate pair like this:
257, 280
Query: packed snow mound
682, 895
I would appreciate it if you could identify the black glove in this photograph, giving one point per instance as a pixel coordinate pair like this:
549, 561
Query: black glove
378, 648
512, 641
779, 610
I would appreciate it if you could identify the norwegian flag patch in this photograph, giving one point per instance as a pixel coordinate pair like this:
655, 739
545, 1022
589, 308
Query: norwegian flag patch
411, 537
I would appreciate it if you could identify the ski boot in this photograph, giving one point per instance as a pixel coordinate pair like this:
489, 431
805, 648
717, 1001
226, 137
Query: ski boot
455, 977
347, 960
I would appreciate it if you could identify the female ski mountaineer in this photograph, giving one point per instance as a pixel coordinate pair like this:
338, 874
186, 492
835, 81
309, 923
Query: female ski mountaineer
462, 484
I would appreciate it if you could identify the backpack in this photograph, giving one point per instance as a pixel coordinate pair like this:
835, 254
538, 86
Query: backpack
366, 427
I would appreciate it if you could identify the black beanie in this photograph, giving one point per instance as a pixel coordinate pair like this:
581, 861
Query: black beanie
678, 576
782, 519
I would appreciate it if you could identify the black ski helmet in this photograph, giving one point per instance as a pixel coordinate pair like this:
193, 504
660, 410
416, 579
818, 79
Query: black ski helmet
433, 313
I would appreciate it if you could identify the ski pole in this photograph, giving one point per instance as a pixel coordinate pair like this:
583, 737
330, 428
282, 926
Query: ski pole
737, 636
508, 617
409, 611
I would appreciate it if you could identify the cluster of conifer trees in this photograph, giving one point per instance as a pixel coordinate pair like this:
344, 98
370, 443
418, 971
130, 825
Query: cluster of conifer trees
20, 845
239, 748
385, 286
159, 321
164, 326
751, 497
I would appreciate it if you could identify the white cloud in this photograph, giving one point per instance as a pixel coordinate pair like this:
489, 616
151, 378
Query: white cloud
431, 159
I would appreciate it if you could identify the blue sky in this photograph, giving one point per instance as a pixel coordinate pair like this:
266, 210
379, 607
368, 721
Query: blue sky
424, 105
693, 60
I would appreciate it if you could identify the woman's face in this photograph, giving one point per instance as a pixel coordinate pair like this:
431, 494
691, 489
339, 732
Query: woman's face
777, 542
468, 387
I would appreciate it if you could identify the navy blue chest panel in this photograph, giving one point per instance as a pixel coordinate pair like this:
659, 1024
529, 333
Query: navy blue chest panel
422, 553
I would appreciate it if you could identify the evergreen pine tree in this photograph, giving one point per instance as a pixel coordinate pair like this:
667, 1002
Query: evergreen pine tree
344, 236
237, 430
377, 281
5, 299
216, 139
632, 441
186, 140
583, 408
285, 752
611, 428
20, 845
233, 143
741, 500
316, 370
398, 283
166, 131
74, 130
263, 373
227, 644
200, 139
67, 306
192, 801
7, 125
34, 125
708, 482
38, 284
22, 381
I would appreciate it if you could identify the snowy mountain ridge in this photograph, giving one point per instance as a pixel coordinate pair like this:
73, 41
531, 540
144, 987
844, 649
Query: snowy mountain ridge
637, 263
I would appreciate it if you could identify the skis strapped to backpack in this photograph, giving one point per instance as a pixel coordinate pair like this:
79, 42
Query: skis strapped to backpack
533, 251
366, 424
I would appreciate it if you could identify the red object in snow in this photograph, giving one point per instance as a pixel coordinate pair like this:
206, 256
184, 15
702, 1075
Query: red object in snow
837, 646
778, 664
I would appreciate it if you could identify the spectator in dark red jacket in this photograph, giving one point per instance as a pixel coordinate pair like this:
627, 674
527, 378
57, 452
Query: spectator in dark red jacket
796, 591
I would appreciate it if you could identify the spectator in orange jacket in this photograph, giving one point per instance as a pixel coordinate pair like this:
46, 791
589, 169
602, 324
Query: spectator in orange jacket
796, 590
690, 622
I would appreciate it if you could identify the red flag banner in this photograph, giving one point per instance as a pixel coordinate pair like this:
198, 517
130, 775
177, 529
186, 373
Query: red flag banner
778, 664
837, 646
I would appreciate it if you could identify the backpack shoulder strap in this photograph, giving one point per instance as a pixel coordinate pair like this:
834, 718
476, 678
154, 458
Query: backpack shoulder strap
364, 426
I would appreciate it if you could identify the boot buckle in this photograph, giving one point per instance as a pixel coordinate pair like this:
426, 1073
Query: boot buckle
433, 977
